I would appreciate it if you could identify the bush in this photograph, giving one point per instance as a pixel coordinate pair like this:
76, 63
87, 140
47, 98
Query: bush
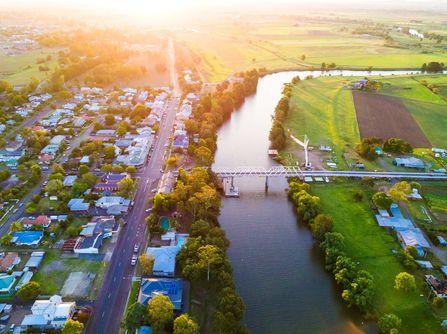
405, 281
389, 323
438, 302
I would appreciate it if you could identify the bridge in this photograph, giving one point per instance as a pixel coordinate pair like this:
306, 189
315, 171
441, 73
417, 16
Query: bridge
295, 171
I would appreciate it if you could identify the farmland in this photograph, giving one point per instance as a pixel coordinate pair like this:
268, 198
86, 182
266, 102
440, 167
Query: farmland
324, 109
230, 44
371, 246
386, 117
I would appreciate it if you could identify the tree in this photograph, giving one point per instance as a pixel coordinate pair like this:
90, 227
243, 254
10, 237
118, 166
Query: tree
185, 325
131, 169
29, 291
106, 168
399, 191
438, 302
161, 312
397, 146
381, 200
360, 292
126, 187
109, 120
56, 168
307, 206
73, 327
388, 322
136, 316
321, 225
229, 312
146, 263
6, 240
109, 152
83, 169
204, 156
405, 281
53, 187
16, 227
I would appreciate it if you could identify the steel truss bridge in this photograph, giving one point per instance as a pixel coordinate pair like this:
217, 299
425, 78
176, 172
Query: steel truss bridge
295, 171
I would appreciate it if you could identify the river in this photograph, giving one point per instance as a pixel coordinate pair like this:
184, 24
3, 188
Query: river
277, 267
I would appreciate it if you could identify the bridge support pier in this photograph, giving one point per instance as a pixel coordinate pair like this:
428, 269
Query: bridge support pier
266, 183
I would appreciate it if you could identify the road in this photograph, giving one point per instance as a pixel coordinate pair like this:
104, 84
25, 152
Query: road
111, 302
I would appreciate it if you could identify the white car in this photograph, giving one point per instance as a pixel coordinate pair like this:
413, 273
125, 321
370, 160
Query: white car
136, 248
149, 210
134, 260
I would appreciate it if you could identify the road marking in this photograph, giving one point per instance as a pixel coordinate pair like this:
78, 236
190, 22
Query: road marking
103, 314
114, 279
109, 295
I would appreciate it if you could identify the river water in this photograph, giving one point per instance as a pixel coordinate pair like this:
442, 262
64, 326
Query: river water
277, 267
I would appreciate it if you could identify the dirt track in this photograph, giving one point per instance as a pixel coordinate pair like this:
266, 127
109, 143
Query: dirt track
387, 117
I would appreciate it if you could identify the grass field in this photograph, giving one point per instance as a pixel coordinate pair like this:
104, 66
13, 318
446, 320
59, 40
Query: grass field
371, 246
324, 110
18, 70
55, 270
230, 44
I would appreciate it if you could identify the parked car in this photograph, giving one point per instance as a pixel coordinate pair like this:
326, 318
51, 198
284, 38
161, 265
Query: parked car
149, 210
5, 318
134, 260
136, 248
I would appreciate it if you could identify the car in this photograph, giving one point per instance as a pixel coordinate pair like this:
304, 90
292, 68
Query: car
133, 261
149, 210
161, 170
136, 248
5, 318
154, 190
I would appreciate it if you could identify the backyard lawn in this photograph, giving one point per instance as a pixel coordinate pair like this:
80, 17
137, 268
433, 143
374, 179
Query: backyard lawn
55, 270
372, 247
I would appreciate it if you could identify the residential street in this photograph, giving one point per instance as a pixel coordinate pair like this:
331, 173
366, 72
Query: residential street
111, 302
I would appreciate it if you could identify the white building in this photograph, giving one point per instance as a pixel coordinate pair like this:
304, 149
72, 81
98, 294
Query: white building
52, 313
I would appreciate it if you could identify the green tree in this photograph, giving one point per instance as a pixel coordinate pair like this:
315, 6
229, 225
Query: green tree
131, 169
185, 325
29, 291
229, 312
321, 225
73, 327
83, 169
126, 187
388, 322
405, 281
109, 120
146, 263
381, 200
161, 312
203, 156
6, 240
135, 317
106, 168
360, 292
109, 152
16, 227
53, 187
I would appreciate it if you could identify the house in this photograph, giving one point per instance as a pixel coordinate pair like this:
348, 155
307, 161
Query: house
49, 314
109, 182
69, 180
85, 160
41, 220
106, 202
396, 220
78, 205
415, 196
57, 140
170, 287
9, 261
439, 287
409, 162
413, 237
27, 238
26, 277
89, 245
11, 158
6, 284
105, 133
181, 141
35, 260
164, 260
164, 257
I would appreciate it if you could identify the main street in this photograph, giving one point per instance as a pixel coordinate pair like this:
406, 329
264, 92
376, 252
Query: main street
110, 304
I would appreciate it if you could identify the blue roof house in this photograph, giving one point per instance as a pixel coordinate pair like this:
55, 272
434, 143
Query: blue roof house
170, 287
27, 238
